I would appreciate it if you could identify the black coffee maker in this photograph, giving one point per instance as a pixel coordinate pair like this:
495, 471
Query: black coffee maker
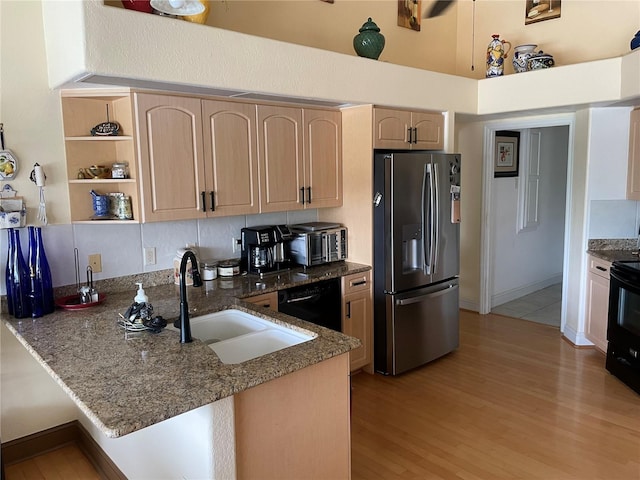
265, 249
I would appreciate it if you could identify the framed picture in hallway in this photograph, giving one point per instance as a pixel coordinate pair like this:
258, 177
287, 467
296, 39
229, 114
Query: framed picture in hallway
505, 163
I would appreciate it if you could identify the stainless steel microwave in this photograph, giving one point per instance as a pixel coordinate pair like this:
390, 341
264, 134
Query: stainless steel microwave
318, 243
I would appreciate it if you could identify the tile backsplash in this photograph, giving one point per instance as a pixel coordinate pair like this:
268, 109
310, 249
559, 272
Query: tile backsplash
614, 219
121, 245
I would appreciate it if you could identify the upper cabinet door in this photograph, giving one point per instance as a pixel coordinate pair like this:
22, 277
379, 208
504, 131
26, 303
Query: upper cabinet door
280, 158
323, 158
405, 130
428, 131
391, 128
171, 156
231, 158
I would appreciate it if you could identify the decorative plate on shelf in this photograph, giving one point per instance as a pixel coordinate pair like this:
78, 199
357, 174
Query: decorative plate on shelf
177, 7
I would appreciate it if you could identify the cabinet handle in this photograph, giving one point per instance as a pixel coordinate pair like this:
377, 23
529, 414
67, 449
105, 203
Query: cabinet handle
415, 134
409, 134
602, 269
204, 201
302, 195
357, 284
348, 309
213, 202
308, 194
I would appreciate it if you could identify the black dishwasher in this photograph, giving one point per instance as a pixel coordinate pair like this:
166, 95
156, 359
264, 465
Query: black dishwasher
318, 303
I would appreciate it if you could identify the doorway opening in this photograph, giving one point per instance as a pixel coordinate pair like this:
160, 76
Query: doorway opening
525, 235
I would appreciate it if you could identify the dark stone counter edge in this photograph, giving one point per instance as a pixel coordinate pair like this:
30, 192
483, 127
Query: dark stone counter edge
615, 255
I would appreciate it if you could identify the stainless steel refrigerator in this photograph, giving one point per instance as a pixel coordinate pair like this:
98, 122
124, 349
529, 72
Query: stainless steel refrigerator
416, 258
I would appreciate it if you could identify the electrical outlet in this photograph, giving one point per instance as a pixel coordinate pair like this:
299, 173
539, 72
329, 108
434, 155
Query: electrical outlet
95, 262
236, 244
150, 255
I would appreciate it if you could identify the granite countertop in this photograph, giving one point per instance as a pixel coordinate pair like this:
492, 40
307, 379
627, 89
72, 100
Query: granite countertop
126, 381
613, 250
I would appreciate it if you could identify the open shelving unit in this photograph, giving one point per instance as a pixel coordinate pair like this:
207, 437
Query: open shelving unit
83, 109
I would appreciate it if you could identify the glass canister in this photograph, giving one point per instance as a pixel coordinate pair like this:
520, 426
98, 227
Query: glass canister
209, 270
120, 170
124, 210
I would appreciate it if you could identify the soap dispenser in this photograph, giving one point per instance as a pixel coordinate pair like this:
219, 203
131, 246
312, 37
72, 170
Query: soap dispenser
140, 297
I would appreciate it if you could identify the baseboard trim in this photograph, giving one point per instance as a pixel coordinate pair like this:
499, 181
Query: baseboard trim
510, 295
53, 438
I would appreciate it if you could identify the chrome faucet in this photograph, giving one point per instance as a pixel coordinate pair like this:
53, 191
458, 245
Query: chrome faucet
183, 321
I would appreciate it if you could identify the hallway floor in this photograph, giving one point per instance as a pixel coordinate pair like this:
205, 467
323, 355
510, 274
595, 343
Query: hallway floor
542, 306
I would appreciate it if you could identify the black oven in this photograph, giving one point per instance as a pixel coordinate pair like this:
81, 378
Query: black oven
623, 329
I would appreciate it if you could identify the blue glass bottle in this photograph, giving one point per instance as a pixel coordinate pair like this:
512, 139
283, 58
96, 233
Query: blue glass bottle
8, 274
41, 287
20, 282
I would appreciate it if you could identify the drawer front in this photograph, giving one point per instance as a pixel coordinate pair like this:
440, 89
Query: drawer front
599, 267
266, 300
356, 282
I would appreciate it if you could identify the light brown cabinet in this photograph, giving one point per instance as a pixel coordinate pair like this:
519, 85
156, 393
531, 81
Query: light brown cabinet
300, 157
81, 111
198, 156
597, 302
266, 300
357, 318
170, 142
202, 157
323, 157
296, 426
231, 158
407, 130
633, 172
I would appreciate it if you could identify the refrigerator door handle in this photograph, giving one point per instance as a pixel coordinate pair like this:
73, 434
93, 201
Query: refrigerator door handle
428, 231
435, 230
420, 298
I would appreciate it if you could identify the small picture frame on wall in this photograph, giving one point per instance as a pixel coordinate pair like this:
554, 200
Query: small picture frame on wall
505, 162
409, 14
541, 10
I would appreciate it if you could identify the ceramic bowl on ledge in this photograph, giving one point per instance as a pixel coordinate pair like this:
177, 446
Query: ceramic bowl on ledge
539, 61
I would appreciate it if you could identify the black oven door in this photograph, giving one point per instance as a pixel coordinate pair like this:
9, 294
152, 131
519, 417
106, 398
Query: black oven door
623, 329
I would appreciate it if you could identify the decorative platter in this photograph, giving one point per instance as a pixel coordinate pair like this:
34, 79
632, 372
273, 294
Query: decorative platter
8, 165
72, 302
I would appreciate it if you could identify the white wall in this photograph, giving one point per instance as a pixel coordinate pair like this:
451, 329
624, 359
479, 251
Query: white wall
199, 444
31, 400
610, 215
528, 260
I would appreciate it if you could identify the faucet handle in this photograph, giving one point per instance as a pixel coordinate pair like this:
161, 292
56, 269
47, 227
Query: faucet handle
197, 279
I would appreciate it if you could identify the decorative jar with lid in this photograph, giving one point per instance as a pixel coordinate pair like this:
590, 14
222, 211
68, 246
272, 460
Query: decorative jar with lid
369, 42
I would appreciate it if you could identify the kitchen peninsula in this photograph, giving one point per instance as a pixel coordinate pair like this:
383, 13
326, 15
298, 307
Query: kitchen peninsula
141, 386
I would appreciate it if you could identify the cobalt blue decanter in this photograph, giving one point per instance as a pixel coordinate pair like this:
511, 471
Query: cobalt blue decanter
19, 281
41, 286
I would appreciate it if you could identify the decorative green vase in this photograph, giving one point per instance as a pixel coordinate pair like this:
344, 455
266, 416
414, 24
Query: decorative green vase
369, 42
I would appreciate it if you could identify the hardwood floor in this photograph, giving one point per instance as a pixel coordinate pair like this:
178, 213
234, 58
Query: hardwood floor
65, 463
514, 401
